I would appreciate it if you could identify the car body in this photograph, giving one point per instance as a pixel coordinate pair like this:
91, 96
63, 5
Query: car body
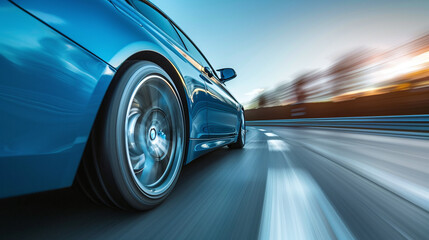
58, 60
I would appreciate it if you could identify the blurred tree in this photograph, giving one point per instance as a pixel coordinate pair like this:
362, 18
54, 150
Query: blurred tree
346, 69
262, 101
300, 84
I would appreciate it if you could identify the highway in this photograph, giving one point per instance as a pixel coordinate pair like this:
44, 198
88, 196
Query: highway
287, 183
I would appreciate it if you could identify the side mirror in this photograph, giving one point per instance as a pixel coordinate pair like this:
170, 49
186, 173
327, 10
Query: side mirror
226, 74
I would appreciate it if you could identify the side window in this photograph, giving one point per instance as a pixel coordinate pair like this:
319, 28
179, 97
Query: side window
156, 18
193, 51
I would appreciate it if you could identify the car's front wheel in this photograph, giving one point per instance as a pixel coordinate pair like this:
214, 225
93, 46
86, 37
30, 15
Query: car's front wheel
137, 147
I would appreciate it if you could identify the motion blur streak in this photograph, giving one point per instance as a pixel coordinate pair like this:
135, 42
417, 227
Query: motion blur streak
362, 82
397, 165
393, 179
303, 183
294, 205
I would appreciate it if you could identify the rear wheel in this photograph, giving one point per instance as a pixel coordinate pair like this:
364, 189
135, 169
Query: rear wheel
137, 146
241, 139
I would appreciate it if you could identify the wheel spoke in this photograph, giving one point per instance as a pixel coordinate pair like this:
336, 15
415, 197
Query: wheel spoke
138, 163
154, 134
152, 173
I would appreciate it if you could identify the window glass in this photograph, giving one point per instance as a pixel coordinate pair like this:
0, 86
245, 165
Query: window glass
156, 18
193, 51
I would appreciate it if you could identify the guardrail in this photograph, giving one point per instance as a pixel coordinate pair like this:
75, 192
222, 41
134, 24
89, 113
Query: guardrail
407, 123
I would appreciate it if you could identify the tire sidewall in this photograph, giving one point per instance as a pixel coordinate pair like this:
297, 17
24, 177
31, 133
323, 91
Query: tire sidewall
114, 142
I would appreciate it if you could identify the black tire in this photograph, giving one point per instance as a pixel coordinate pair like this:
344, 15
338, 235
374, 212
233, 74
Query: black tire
128, 151
241, 138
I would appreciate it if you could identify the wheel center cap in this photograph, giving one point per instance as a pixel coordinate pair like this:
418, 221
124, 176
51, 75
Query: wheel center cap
152, 134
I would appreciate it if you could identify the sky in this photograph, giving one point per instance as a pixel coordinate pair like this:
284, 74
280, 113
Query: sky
270, 42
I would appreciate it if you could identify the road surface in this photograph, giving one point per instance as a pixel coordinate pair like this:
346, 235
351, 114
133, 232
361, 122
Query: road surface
287, 183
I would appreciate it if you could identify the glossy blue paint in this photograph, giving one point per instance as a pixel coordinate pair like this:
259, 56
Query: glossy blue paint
50, 91
113, 21
60, 57
222, 110
202, 146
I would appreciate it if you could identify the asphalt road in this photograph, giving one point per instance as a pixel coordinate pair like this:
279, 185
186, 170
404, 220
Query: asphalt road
287, 183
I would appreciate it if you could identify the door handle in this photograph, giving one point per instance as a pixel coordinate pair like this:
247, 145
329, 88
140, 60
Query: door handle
208, 72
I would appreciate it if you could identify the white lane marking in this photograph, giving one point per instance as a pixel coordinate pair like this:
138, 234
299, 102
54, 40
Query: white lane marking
270, 135
296, 208
262, 130
277, 145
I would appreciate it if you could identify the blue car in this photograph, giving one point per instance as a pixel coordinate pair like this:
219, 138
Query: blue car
109, 95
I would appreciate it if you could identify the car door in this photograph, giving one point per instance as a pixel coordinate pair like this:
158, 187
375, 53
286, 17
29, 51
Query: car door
222, 109
190, 69
222, 118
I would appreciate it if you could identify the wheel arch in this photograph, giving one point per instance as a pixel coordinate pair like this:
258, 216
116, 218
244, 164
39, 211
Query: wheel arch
173, 73
171, 70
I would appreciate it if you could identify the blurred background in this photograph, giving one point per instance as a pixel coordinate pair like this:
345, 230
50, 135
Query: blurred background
336, 95
315, 58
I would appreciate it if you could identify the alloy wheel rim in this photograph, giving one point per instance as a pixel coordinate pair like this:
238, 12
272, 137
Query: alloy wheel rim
154, 135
